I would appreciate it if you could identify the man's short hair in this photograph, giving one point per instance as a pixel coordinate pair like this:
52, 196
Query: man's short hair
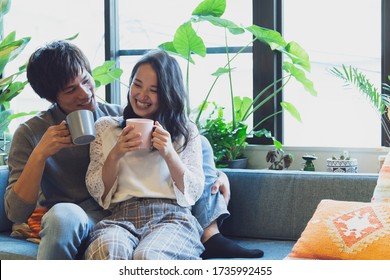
52, 66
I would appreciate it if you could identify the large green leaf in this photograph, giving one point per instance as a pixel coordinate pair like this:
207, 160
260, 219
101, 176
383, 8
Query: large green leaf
10, 49
220, 22
292, 110
105, 74
298, 55
186, 42
241, 105
300, 76
210, 7
271, 37
8, 39
13, 90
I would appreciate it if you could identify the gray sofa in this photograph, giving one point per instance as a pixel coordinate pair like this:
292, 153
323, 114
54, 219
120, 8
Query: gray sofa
269, 209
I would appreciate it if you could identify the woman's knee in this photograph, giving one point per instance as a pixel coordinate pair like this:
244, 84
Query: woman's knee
110, 243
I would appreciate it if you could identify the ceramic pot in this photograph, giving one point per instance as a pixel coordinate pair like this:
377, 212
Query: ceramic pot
342, 166
240, 163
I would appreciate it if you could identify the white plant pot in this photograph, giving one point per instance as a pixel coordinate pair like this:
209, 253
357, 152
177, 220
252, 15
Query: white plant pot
342, 166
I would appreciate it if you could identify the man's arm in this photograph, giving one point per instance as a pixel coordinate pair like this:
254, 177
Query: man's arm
25, 179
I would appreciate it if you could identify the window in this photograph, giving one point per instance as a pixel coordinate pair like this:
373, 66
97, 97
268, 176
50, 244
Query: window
143, 26
331, 32
47, 20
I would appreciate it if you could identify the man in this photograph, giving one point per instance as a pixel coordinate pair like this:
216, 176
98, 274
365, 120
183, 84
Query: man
43, 159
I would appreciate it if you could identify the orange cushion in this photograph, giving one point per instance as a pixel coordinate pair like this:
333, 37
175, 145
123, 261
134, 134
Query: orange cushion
382, 188
346, 230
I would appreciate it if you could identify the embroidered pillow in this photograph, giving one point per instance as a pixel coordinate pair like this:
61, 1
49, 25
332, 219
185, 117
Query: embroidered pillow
382, 188
346, 230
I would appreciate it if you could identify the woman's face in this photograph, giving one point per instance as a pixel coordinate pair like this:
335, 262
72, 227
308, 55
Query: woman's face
143, 92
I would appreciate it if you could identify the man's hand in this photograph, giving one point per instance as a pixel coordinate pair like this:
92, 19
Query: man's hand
55, 138
222, 184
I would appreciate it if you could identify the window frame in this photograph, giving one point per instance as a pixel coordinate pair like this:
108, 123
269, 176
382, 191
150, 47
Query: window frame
267, 65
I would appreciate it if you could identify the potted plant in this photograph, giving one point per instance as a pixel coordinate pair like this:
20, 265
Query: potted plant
342, 164
279, 160
187, 42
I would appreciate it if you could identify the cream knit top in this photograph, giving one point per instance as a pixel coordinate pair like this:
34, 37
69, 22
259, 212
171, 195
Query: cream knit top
143, 173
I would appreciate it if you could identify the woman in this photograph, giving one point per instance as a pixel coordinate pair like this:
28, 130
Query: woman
149, 191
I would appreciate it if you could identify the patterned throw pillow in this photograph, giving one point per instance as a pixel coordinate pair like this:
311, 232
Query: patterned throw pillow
346, 230
382, 188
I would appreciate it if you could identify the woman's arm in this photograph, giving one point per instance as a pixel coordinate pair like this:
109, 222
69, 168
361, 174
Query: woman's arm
185, 168
103, 170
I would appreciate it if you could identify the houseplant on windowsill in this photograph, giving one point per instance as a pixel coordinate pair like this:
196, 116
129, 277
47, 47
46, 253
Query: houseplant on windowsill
228, 137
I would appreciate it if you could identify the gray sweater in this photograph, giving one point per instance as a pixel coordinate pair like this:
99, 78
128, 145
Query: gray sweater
64, 175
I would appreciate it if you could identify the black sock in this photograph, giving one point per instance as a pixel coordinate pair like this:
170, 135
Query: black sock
219, 246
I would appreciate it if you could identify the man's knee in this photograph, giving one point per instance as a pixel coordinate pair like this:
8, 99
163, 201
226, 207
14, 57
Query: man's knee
65, 217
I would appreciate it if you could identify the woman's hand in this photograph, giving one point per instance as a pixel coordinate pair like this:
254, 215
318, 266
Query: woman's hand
127, 141
161, 140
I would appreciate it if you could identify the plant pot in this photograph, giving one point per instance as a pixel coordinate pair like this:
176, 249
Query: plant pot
240, 163
342, 165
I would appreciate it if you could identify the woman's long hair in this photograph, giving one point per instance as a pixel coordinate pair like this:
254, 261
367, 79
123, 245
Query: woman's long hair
171, 94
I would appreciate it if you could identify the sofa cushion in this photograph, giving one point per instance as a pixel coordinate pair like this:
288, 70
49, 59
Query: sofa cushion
346, 230
5, 224
16, 249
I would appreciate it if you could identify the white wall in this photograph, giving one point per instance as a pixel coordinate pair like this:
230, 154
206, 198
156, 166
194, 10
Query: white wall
367, 157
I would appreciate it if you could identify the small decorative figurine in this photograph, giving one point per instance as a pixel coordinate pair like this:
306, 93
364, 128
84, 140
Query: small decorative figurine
309, 165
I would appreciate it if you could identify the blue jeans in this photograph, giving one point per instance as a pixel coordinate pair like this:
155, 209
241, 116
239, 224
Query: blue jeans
209, 207
65, 228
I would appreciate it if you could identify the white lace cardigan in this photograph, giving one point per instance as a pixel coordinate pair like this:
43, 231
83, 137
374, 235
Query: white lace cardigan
143, 173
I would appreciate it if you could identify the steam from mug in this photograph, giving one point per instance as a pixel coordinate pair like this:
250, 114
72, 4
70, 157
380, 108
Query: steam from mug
145, 127
82, 127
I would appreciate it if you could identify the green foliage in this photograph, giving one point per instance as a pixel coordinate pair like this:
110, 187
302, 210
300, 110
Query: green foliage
232, 134
10, 87
227, 142
279, 160
106, 73
352, 76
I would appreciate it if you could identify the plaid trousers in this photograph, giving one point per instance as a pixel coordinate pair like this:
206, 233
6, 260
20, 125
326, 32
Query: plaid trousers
146, 229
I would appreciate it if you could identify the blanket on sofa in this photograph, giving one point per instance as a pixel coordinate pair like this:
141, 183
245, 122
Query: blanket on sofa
30, 230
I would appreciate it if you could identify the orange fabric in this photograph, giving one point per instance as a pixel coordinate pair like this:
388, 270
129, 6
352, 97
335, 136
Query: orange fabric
382, 188
346, 230
34, 221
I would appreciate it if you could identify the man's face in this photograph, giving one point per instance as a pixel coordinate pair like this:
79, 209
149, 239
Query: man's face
78, 94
